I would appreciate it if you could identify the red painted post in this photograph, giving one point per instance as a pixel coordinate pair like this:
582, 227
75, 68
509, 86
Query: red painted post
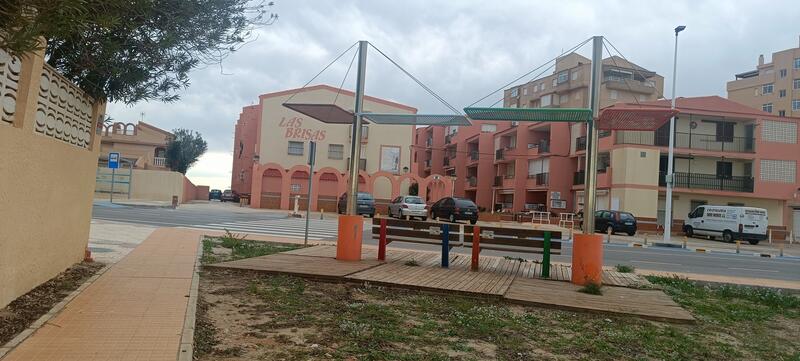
382, 241
476, 246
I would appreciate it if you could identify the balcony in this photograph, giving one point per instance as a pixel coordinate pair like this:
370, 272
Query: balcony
618, 83
448, 138
428, 163
540, 179
709, 181
160, 162
429, 142
579, 178
473, 155
498, 181
446, 161
498, 154
708, 142
580, 143
472, 182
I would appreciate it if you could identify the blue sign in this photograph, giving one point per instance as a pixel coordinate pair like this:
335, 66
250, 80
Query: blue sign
113, 160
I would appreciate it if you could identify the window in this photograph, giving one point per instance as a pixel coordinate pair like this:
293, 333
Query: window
555, 82
335, 151
694, 204
766, 89
488, 128
796, 104
296, 148
514, 92
563, 99
781, 113
782, 73
364, 132
613, 94
546, 100
724, 132
782, 93
796, 84
563, 77
543, 86
724, 170
295, 188
525, 91
767, 107
642, 97
797, 63
362, 164
574, 75
778, 170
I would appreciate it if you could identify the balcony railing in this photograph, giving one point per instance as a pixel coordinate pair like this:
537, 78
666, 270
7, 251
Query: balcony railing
580, 143
709, 181
541, 179
579, 178
498, 181
708, 142
446, 161
473, 155
448, 138
498, 154
160, 162
509, 176
429, 142
428, 163
472, 181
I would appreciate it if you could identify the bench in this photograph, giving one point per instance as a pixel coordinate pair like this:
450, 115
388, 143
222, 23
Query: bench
449, 235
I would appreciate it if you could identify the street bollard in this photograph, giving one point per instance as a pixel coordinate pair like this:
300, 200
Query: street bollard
645, 239
684, 242
322, 213
791, 237
445, 245
782, 248
608, 240
408, 218
738, 244
770, 235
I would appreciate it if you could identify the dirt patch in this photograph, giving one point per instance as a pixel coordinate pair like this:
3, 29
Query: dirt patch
25, 310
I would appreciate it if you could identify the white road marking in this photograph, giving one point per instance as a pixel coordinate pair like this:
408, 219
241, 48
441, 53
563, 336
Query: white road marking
665, 263
754, 269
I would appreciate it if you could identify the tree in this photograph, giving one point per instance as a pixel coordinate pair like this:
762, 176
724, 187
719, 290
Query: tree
131, 50
184, 149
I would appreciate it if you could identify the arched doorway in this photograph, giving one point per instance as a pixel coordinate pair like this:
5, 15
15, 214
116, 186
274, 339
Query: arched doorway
382, 191
435, 190
271, 184
327, 189
298, 187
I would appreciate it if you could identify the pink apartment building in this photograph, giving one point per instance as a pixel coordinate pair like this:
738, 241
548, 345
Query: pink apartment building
726, 153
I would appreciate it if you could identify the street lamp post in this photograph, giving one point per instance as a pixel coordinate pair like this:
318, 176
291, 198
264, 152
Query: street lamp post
670, 158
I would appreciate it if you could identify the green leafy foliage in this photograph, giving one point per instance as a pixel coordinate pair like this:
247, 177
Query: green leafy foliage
623, 268
131, 50
184, 149
592, 289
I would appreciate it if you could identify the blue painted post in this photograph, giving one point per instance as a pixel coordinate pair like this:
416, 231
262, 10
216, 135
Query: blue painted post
546, 256
445, 245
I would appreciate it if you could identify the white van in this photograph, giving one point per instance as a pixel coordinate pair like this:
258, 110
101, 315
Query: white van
729, 222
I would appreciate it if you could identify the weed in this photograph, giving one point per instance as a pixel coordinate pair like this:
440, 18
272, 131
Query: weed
623, 268
518, 259
592, 289
411, 263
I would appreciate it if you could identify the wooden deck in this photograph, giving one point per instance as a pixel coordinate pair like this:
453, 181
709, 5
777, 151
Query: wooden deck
510, 279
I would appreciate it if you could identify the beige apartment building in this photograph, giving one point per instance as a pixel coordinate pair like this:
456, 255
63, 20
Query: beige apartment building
568, 86
142, 145
773, 87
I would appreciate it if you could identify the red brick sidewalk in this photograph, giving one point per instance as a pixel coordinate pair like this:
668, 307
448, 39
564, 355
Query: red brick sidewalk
134, 311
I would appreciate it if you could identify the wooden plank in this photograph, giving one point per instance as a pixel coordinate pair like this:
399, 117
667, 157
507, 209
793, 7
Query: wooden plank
520, 232
520, 242
650, 304
313, 266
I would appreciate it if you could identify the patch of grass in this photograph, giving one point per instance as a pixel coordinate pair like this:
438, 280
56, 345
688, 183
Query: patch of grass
592, 289
239, 248
623, 268
411, 263
730, 303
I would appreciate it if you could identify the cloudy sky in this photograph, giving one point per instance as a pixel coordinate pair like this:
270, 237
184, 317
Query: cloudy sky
464, 50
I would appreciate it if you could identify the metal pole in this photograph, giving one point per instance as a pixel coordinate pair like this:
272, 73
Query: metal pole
355, 146
670, 158
113, 173
590, 182
312, 150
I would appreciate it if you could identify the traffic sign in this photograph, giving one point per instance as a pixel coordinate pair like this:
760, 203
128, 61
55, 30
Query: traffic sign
113, 160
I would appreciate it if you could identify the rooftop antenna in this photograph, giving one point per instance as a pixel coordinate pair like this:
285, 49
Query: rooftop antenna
142, 115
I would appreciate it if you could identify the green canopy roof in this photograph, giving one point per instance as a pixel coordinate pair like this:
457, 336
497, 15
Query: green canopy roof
416, 119
530, 114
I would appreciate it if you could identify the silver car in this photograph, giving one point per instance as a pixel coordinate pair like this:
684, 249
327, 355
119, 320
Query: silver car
408, 206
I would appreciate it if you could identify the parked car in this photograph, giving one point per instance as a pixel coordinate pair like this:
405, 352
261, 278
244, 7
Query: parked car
215, 194
364, 201
454, 209
729, 222
229, 196
410, 206
616, 221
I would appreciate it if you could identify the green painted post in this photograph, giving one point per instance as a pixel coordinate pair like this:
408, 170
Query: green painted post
546, 256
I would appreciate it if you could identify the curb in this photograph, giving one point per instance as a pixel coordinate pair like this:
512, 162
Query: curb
36, 325
186, 349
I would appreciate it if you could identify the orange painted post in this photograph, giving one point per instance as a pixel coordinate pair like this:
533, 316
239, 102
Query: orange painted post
476, 247
382, 241
348, 246
587, 259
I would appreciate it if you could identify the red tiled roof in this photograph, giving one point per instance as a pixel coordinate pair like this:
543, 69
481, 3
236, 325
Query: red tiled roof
343, 91
707, 105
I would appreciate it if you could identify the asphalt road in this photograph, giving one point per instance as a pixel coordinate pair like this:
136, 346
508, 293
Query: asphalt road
275, 223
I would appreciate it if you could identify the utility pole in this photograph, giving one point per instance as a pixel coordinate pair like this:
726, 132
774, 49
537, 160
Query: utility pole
590, 188
312, 157
355, 146
670, 177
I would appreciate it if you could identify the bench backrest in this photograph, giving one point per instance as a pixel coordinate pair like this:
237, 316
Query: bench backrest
495, 238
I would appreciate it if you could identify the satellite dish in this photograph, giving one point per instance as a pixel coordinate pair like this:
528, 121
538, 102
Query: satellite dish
693, 125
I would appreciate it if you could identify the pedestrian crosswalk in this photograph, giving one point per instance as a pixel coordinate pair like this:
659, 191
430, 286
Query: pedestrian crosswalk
318, 229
